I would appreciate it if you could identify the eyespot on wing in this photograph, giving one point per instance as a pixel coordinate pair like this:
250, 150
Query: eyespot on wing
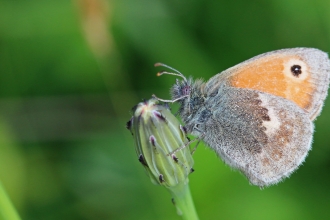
299, 74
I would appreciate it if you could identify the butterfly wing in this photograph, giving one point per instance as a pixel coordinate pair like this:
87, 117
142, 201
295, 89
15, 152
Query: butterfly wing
300, 75
264, 136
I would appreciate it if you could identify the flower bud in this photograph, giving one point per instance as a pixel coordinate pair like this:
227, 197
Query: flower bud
157, 134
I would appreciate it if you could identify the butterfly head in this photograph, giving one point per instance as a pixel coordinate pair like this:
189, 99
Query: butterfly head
189, 95
186, 91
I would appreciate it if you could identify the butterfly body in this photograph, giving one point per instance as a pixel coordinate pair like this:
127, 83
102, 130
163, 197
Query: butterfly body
257, 116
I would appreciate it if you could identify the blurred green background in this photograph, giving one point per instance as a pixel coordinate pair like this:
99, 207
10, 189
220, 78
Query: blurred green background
72, 70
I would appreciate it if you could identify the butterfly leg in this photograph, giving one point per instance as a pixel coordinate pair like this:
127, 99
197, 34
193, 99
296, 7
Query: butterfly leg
182, 147
195, 148
198, 139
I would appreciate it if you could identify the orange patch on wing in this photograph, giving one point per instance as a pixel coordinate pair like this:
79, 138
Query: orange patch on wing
272, 75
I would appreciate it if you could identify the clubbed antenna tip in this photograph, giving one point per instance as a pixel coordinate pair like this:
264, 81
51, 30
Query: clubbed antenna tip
177, 73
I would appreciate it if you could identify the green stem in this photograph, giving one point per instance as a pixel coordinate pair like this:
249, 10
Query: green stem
184, 202
7, 210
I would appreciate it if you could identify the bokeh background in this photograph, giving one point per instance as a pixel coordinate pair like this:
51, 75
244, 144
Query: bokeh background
70, 71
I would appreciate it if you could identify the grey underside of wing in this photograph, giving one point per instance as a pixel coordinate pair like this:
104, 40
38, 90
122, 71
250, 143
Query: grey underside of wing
264, 136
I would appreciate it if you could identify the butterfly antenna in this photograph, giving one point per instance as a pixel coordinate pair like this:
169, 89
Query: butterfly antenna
169, 73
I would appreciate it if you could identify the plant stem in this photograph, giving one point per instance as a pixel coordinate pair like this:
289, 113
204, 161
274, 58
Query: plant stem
7, 210
184, 202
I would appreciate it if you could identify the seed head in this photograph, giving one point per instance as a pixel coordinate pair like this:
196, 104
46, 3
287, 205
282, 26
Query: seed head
157, 133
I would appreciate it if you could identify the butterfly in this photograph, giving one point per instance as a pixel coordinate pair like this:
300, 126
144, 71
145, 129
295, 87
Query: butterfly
258, 115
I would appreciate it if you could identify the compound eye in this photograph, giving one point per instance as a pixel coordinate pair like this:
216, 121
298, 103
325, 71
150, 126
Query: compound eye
186, 90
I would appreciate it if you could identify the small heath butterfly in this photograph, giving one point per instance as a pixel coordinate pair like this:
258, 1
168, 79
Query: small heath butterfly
258, 115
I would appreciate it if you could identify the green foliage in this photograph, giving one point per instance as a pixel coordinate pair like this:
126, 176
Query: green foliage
66, 94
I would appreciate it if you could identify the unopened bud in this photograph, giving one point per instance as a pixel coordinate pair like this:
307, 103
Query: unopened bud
157, 134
